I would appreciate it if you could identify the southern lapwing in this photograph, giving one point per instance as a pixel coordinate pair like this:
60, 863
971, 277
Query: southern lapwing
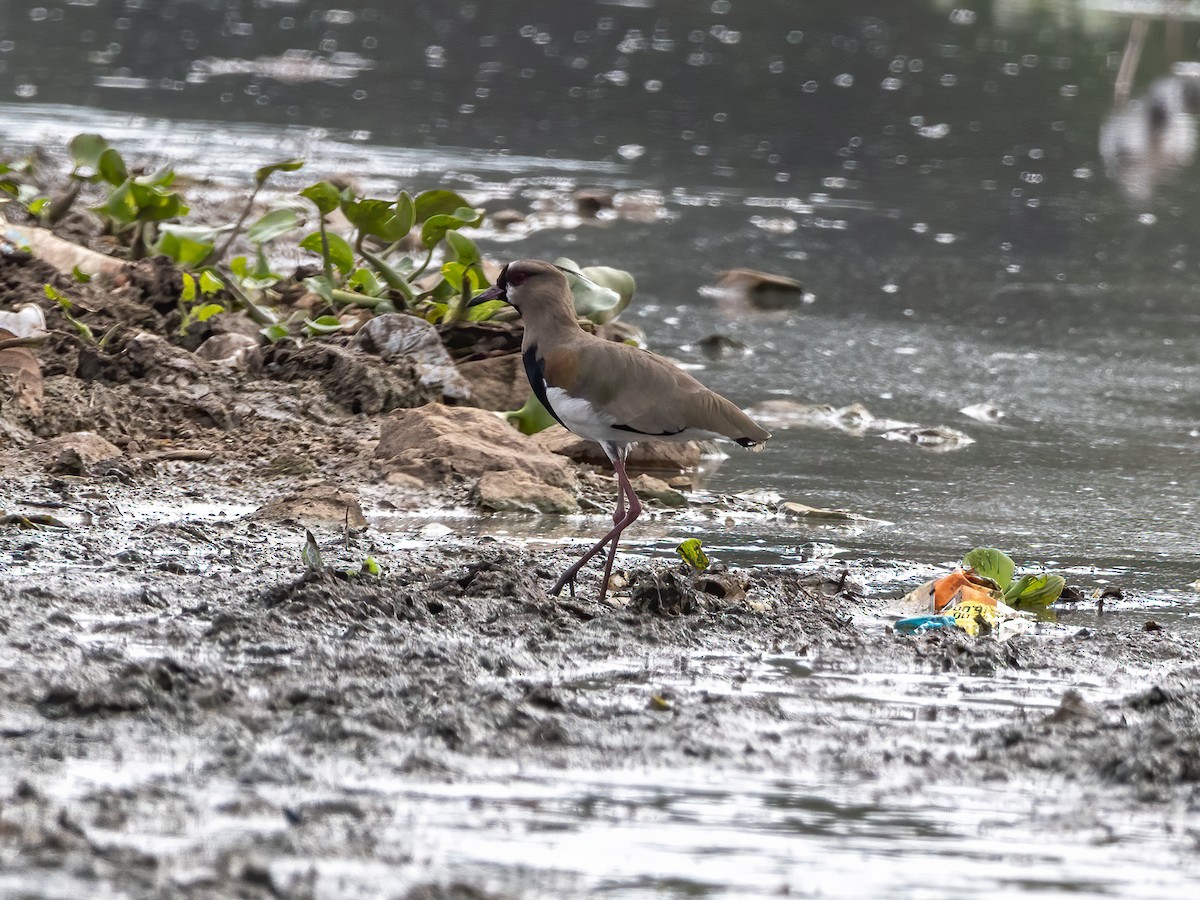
614, 394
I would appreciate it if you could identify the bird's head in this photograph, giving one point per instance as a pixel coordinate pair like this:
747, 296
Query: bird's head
528, 283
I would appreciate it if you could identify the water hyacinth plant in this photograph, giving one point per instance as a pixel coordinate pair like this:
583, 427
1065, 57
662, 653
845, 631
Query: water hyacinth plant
403, 253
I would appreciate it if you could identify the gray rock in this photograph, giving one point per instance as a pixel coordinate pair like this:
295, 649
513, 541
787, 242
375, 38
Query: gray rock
401, 336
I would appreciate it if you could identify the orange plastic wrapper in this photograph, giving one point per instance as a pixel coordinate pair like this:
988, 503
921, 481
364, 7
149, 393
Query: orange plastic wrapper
947, 586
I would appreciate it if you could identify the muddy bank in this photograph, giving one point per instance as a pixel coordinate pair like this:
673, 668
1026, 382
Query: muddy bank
184, 711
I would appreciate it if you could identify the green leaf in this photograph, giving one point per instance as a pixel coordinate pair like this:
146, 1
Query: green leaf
320, 286
50, 292
530, 418
257, 278
464, 248
484, 311
80, 276
206, 312
323, 325
436, 203
183, 250
991, 563
615, 280
188, 294
365, 282
406, 212
454, 272
205, 234
272, 225
1034, 591
376, 217
324, 196
154, 204
161, 178
593, 301
264, 172
111, 167
311, 553
38, 205
210, 283
120, 205
341, 254
86, 149
274, 333
693, 554
435, 227
371, 566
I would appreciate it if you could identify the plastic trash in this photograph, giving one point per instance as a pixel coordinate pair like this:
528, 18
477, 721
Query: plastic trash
920, 624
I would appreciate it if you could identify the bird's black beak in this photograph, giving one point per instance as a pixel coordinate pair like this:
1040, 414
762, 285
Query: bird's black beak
495, 292
498, 291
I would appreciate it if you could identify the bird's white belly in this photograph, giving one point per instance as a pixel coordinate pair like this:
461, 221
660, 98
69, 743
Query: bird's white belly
586, 420
581, 417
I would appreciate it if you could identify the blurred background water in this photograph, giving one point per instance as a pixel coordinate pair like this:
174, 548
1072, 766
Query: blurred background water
989, 203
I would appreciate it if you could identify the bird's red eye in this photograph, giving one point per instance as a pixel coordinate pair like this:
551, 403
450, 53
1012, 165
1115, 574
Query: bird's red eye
514, 277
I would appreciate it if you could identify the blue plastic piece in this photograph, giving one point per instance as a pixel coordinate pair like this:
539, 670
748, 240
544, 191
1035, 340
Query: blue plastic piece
918, 624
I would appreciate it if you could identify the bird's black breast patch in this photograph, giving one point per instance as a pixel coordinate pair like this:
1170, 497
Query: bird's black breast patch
535, 371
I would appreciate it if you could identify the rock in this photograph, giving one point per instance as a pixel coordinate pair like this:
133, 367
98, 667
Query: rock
520, 492
717, 345
935, 437
661, 456
319, 503
437, 442
356, 382
85, 446
404, 481
763, 290
984, 412
800, 511
497, 383
236, 350
505, 218
650, 488
399, 336
589, 202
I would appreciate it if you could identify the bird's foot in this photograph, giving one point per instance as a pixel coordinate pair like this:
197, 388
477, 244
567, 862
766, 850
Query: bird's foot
566, 581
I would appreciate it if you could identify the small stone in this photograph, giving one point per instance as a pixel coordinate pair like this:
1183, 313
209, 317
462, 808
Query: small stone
650, 488
405, 481
590, 202
236, 350
800, 511
439, 443
73, 454
321, 503
504, 218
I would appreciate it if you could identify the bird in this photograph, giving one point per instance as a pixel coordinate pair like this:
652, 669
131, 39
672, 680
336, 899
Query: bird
614, 394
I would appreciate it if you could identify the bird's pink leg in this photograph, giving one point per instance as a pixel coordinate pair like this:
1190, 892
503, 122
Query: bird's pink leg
635, 509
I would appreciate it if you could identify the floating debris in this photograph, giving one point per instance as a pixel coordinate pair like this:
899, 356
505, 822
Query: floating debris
984, 412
